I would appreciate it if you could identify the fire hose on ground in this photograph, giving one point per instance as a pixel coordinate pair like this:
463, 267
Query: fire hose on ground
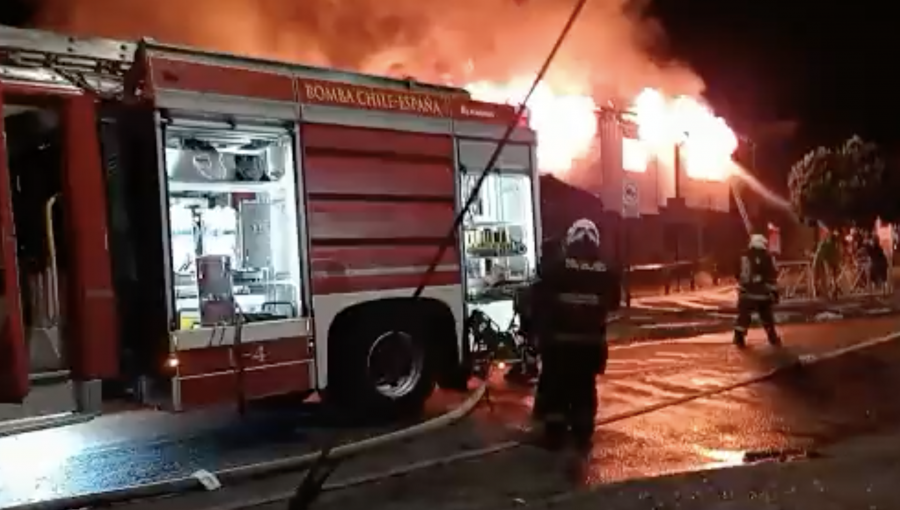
410, 468
204, 480
331, 452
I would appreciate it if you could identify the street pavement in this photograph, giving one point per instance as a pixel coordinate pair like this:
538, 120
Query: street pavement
714, 298
713, 310
139, 447
721, 302
799, 410
860, 473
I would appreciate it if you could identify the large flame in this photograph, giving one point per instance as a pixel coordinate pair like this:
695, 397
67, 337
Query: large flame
566, 125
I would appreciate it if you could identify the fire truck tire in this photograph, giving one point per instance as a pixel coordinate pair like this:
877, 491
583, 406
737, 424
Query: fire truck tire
386, 368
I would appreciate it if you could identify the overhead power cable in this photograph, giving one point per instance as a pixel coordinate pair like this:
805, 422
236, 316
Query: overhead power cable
492, 161
311, 487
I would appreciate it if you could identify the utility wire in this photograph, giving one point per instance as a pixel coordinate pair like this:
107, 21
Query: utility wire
311, 486
492, 161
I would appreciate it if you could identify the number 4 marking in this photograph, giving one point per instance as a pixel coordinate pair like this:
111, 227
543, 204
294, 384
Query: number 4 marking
258, 355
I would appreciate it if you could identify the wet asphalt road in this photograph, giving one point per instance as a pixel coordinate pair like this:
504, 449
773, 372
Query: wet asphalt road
801, 408
141, 447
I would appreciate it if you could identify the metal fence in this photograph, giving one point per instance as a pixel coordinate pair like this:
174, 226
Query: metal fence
806, 280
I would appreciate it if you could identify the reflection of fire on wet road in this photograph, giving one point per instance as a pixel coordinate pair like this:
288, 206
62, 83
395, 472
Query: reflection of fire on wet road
142, 447
778, 415
720, 458
798, 410
787, 416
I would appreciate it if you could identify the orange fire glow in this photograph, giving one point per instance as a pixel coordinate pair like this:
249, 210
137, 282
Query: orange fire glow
566, 125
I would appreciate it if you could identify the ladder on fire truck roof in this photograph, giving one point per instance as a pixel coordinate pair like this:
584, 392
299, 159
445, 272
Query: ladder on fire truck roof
55, 59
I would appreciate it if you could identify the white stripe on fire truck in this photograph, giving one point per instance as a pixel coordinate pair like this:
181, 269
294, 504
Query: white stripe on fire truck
254, 368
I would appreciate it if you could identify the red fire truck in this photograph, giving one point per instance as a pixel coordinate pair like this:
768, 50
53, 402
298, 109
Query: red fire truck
191, 228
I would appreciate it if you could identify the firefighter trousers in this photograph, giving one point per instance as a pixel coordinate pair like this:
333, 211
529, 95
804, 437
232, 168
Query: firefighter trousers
764, 308
567, 389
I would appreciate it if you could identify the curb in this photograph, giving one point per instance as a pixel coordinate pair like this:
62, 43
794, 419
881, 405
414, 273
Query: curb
726, 323
233, 474
25, 425
823, 305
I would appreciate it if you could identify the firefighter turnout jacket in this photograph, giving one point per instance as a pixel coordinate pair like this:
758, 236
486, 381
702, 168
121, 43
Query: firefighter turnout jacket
757, 278
572, 299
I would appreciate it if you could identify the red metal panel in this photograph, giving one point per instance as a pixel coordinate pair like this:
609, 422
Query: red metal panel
378, 141
457, 106
328, 258
339, 284
166, 73
39, 90
356, 268
478, 111
193, 362
258, 383
339, 174
14, 384
361, 220
345, 161
92, 307
333, 93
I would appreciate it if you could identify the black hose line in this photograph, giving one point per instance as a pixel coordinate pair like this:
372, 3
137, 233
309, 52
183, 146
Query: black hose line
312, 485
492, 161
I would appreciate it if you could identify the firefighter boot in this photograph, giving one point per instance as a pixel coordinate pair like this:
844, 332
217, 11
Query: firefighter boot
740, 339
774, 339
582, 428
553, 435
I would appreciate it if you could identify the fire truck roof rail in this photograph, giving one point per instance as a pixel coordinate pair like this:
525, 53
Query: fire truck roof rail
302, 70
41, 43
108, 58
56, 60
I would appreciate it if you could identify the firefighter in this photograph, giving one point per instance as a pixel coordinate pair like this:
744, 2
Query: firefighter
575, 292
757, 291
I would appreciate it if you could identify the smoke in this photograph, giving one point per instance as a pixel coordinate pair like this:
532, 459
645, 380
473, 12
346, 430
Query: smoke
454, 41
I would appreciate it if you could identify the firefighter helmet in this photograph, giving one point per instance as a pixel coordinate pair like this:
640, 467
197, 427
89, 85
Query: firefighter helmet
759, 242
583, 231
582, 240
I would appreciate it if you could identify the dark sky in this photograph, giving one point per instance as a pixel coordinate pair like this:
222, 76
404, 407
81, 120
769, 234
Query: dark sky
831, 66
828, 65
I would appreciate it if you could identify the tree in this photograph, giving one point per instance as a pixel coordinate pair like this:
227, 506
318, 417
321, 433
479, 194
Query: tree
844, 186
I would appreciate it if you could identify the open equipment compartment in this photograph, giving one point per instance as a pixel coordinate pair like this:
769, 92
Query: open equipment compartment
500, 230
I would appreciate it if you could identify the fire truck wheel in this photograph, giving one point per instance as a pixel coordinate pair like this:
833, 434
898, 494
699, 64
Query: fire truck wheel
388, 370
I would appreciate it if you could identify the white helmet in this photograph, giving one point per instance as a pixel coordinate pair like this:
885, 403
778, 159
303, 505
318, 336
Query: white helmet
583, 231
759, 242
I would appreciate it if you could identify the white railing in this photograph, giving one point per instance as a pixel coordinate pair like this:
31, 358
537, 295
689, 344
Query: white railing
800, 279
853, 279
796, 279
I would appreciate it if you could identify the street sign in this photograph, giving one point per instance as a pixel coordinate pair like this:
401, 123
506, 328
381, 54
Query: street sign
630, 200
